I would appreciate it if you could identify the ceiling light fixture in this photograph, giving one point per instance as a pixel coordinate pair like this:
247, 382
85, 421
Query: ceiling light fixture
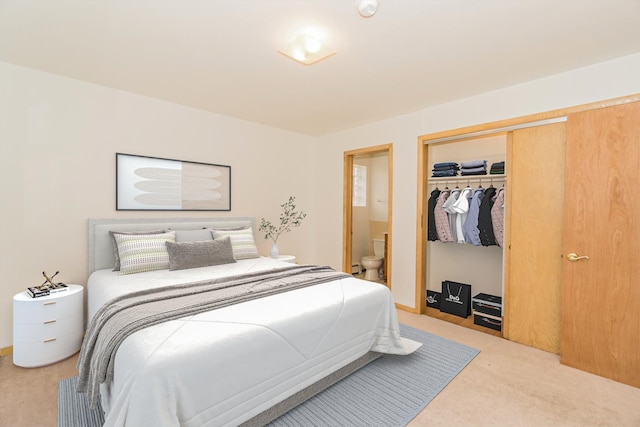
307, 49
367, 8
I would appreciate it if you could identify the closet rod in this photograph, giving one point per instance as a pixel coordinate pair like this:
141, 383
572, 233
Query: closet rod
500, 179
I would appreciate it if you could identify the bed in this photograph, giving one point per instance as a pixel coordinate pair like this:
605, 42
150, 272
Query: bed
234, 364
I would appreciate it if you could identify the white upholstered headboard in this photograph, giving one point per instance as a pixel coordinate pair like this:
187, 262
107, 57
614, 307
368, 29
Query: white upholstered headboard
101, 251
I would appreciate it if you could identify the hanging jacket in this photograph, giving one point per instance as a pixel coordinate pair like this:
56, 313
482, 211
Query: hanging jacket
432, 233
485, 226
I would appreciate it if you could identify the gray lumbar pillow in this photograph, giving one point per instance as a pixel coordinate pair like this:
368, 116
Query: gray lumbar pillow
200, 254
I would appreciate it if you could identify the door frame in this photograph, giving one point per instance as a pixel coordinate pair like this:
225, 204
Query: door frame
347, 207
420, 303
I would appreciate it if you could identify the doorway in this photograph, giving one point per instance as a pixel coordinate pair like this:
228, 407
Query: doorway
371, 217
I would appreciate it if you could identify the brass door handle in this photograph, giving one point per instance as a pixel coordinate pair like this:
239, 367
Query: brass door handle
574, 257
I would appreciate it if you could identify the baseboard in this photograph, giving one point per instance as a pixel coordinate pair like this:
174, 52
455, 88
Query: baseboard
5, 351
407, 308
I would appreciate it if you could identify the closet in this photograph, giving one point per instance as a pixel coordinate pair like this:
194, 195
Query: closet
480, 266
570, 262
526, 271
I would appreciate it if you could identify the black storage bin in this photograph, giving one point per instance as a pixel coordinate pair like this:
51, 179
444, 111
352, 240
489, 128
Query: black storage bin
488, 304
487, 321
456, 298
433, 299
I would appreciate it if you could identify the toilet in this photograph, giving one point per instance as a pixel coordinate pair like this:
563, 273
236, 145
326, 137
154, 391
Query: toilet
373, 263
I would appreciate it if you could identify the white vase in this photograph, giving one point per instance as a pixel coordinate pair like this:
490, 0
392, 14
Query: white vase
274, 251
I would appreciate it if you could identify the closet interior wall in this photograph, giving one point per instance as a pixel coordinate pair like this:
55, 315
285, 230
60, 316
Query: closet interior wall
479, 266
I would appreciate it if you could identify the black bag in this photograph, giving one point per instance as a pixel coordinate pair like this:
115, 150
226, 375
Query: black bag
433, 299
456, 298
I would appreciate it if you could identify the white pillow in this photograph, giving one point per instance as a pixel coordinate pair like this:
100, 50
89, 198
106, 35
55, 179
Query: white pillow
193, 235
143, 252
242, 242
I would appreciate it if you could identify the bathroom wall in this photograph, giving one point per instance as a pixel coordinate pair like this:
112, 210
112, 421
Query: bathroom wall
361, 236
379, 192
379, 187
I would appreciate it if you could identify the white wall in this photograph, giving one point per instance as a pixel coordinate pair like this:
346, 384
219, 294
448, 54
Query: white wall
602, 81
58, 139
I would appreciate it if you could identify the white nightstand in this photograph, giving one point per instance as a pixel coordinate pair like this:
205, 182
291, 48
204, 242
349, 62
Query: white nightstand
47, 329
287, 258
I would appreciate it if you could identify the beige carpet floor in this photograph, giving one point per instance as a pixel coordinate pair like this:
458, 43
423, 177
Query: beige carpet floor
507, 384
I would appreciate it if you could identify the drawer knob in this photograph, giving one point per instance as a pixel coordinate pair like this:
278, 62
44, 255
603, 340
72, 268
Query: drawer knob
50, 303
50, 321
50, 340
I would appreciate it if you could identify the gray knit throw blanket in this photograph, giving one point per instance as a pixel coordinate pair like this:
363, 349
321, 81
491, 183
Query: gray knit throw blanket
126, 314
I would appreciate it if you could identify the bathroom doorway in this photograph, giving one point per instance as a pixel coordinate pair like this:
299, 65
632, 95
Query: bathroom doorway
367, 209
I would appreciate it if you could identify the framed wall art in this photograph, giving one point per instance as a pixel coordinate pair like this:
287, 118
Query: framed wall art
157, 184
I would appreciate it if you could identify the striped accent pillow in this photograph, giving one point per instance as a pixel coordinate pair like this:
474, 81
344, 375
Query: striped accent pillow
116, 255
139, 253
242, 242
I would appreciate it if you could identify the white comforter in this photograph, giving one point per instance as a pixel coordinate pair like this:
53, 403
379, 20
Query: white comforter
225, 366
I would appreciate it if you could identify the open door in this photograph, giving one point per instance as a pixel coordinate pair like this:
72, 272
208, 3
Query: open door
601, 240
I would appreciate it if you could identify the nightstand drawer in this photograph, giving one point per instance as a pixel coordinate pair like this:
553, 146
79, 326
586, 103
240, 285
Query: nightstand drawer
38, 332
46, 352
42, 309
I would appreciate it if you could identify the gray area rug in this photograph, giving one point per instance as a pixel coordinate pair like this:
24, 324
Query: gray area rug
390, 391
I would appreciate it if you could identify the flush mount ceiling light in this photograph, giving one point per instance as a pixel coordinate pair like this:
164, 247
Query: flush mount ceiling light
367, 8
307, 49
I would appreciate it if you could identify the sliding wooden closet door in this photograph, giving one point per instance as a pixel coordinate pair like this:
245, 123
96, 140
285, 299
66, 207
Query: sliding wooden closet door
601, 294
535, 173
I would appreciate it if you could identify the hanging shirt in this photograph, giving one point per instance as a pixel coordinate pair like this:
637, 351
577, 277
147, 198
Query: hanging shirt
442, 219
484, 218
470, 226
432, 233
448, 208
497, 217
461, 207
